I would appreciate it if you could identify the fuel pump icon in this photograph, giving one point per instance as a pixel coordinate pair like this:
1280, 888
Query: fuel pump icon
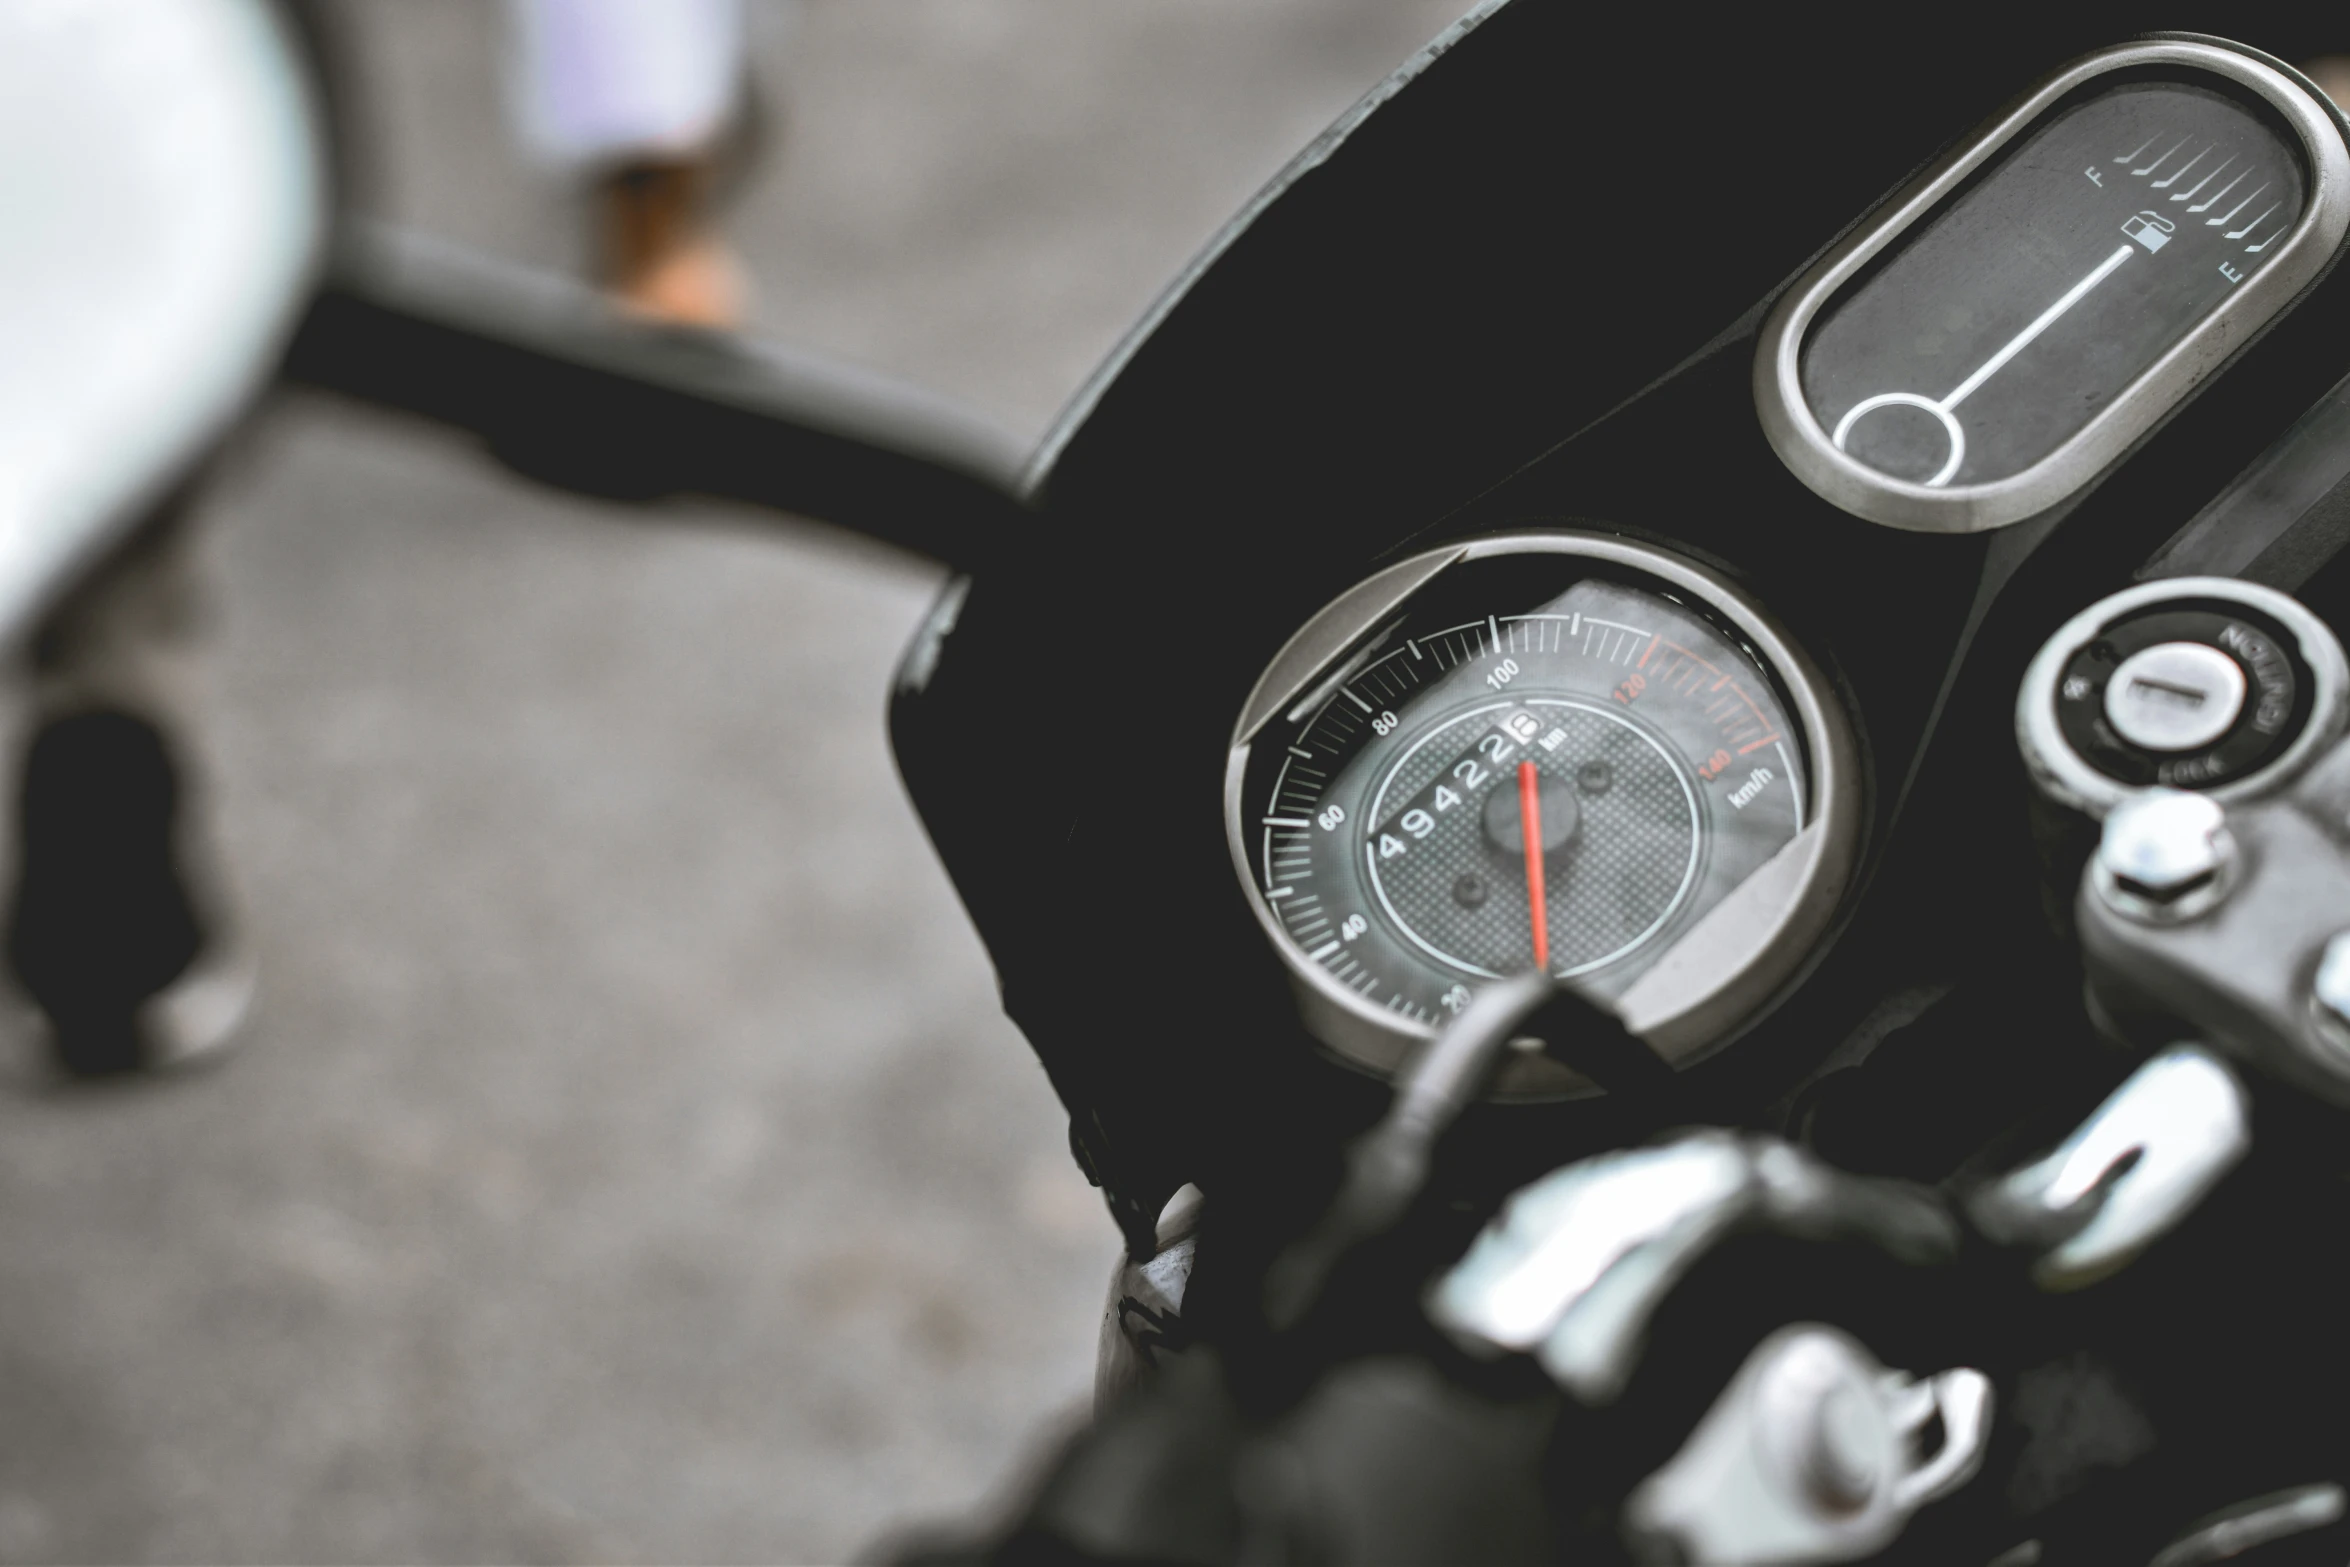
2150, 229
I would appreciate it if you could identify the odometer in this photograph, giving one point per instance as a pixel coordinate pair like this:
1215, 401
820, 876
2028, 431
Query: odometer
1672, 750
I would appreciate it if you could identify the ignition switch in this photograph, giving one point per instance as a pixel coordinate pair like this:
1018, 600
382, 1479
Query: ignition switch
2201, 683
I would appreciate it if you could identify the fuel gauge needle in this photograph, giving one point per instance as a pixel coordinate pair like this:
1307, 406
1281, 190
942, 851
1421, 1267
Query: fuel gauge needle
1530, 824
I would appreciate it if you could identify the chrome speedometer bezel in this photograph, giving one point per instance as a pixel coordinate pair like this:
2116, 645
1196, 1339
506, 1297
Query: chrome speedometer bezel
1732, 960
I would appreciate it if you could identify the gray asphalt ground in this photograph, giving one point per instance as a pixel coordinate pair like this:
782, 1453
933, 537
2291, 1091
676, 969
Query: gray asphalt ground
628, 1160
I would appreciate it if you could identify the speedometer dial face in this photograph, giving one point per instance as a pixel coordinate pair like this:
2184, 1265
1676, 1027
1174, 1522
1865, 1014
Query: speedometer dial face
1392, 847
1541, 757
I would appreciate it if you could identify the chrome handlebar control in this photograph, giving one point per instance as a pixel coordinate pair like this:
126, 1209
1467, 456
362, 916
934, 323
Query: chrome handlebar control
1578, 1262
1814, 1453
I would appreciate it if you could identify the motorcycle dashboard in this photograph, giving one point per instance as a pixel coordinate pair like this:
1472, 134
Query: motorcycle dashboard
1596, 756
1643, 613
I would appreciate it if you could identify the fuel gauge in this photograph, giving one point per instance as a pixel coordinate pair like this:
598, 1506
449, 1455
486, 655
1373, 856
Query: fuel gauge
2053, 288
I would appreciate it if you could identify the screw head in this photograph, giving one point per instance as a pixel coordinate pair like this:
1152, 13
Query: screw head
2331, 988
1845, 1456
2165, 855
1817, 1413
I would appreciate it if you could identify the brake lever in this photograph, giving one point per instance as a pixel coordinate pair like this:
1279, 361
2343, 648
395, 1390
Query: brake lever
2130, 1173
1578, 1262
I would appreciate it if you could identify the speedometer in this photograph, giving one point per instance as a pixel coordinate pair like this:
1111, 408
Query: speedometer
1552, 750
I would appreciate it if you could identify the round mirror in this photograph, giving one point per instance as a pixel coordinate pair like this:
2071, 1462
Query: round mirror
163, 203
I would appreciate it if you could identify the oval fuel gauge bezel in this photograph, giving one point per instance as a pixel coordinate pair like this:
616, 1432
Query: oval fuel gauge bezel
1796, 434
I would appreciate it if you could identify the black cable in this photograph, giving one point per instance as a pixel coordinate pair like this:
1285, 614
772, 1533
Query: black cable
1387, 1167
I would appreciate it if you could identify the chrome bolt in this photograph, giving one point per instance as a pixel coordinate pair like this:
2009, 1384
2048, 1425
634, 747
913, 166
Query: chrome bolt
2165, 856
2331, 989
1817, 1411
1845, 1454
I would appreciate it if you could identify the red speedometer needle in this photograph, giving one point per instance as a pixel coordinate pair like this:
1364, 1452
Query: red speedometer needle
1530, 822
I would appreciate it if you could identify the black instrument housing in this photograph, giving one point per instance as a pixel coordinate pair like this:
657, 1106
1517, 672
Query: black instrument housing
1519, 291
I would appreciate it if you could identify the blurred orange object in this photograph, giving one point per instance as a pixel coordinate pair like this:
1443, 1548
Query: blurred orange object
660, 255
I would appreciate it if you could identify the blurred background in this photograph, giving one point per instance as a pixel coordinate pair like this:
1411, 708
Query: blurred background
627, 1159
